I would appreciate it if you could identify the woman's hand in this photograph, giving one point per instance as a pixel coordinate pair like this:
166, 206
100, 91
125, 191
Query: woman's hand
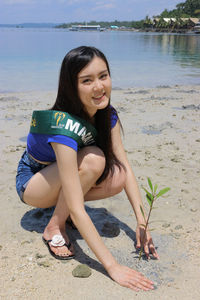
148, 242
130, 278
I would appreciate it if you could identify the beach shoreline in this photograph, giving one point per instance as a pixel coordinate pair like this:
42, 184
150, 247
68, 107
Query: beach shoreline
161, 138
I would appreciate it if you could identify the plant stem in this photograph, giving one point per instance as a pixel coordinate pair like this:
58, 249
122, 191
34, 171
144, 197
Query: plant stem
145, 229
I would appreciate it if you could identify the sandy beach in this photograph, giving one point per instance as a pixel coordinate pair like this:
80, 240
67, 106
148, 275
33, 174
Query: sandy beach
162, 140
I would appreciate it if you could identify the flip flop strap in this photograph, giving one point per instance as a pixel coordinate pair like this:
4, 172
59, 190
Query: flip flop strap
67, 245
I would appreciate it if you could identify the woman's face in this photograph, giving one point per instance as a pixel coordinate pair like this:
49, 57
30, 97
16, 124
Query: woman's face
94, 86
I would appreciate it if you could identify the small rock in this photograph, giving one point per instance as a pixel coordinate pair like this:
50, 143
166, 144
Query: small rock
184, 191
166, 225
30, 259
178, 227
82, 271
25, 242
175, 159
193, 209
44, 264
198, 140
38, 256
1, 247
176, 235
191, 106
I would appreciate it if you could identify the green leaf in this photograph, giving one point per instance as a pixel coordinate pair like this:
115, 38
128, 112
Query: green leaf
149, 194
155, 188
162, 192
142, 211
152, 229
149, 200
150, 184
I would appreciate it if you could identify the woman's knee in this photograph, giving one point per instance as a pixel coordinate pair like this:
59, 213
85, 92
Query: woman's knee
91, 159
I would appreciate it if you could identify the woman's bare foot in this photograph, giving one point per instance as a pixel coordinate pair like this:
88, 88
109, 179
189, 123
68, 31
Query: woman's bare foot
58, 245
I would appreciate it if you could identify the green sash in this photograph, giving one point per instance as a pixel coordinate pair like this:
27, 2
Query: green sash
58, 122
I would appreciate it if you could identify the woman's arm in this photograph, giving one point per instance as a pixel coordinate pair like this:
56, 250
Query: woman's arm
73, 195
132, 191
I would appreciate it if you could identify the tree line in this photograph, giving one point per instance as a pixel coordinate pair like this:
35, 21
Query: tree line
187, 9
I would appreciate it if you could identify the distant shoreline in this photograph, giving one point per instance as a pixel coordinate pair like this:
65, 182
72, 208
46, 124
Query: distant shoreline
54, 26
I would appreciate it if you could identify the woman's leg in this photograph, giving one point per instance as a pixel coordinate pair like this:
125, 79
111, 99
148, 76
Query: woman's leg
44, 190
111, 186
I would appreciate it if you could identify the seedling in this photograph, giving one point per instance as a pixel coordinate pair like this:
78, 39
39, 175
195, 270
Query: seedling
151, 198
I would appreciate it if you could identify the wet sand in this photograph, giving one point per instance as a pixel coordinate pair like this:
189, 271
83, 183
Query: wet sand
162, 140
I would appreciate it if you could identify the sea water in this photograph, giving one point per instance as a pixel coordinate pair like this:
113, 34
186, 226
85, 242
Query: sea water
30, 58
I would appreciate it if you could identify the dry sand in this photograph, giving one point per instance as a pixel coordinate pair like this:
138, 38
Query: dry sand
162, 141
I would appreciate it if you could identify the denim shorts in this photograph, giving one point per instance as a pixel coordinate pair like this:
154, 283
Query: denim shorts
27, 167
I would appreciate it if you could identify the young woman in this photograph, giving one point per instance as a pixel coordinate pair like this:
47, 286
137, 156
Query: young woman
57, 170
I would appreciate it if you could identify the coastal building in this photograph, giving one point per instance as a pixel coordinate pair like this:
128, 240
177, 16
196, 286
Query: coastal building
194, 21
189, 22
168, 20
114, 27
85, 28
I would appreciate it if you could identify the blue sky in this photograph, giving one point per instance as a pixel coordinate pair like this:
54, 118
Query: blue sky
64, 11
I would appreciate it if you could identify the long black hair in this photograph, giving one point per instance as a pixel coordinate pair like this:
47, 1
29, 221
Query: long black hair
68, 101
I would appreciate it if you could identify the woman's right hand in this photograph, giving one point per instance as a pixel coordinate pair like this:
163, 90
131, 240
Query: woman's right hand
130, 278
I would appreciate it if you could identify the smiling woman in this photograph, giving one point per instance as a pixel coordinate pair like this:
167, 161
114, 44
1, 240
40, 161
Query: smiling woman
62, 169
94, 86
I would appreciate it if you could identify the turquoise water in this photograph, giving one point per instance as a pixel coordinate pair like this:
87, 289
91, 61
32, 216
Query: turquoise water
30, 58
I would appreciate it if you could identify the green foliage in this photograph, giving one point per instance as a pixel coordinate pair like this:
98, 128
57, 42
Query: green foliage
151, 197
187, 9
162, 192
190, 6
150, 184
197, 12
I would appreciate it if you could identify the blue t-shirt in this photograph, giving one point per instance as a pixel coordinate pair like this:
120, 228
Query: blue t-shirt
38, 145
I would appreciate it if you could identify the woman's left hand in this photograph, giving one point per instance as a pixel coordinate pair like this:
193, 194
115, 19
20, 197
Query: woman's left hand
148, 242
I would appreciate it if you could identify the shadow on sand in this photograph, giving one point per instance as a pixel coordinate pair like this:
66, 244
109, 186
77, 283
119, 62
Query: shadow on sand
106, 224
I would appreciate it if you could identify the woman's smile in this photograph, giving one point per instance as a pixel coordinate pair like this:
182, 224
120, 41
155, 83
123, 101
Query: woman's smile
100, 97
